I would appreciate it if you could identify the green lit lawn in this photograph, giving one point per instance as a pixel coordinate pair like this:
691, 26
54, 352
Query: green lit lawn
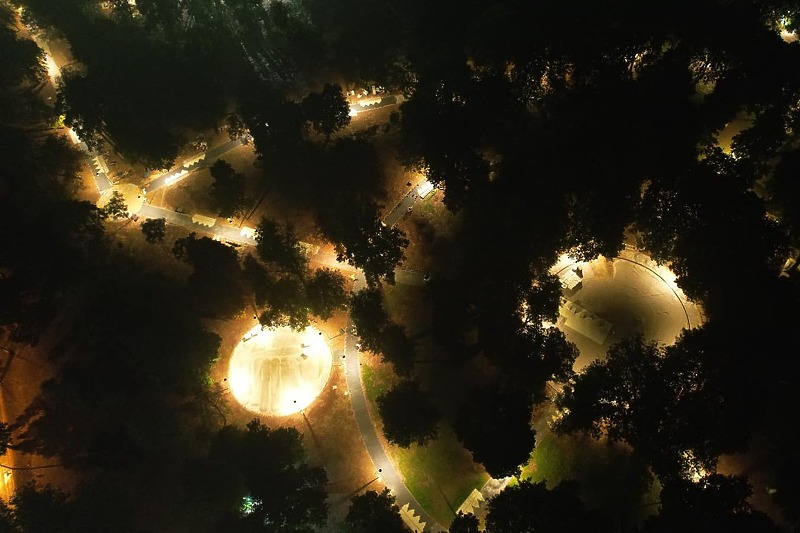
440, 475
376, 380
609, 478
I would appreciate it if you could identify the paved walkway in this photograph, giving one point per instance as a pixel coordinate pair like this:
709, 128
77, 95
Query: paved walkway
412, 512
208, 158
383, 466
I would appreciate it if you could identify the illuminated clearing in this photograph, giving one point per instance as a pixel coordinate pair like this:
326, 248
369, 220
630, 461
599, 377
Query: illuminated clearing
279, 372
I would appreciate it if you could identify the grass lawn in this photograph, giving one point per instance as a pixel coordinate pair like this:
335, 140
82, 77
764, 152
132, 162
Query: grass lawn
440, 475
610, 479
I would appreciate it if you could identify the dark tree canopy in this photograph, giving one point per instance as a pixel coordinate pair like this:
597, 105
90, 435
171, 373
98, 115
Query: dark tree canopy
228, 189
280, 300
5, 437
495, 425
533, 508
378, 333
370, 317
41, 509
712, 503
327, 111
279, 246
154, 229
120, 374
216, 283
22, 58
665, 402
371, 512
464, 523
275, 122
285, 289
116, 207
785, 188
283, 492
326, 293
409, 415
542, 144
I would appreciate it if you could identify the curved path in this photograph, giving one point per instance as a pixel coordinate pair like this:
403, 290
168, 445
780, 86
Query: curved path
411, 511
413, 514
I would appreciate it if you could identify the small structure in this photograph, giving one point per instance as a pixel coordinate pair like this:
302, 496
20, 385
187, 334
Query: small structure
584, 322
204, 220
571, 278
424, 188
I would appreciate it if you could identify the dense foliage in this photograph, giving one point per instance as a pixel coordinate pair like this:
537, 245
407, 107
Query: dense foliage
552, 127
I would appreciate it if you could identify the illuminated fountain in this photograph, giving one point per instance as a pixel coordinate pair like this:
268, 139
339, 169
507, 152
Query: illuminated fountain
279, 372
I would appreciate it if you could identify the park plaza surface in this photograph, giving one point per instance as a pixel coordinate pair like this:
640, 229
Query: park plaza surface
279, 372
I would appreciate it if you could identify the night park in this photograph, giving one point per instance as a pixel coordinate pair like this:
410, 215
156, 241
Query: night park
386, 266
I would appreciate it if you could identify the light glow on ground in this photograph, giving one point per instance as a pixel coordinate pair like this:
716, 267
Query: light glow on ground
604, 301
279, 372
131, 194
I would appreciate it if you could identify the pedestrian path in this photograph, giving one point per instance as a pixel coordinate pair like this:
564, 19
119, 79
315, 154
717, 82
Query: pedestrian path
414, 516
198, 162
412, 513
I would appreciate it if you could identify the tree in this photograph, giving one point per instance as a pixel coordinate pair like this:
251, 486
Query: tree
712, 503
227, 190
280, 246
116, 207
787, 493
325, 292
7, 523
543, 299
378, 333
23, 60
61, 162
41, 510
409, 415
464, 523
494, 424
535, 355
702, 219
371, 512
5, 437
276, 123
121, 375
532, 508
284, 304
216, 283
43, 276
283, 492
397, 349
665, 402
154, 229
785, 189
280, 299
235, 127
374, 248
327, 111
369, 317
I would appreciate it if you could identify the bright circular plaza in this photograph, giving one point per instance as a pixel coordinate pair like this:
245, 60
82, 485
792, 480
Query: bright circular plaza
279, 372
606, 300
